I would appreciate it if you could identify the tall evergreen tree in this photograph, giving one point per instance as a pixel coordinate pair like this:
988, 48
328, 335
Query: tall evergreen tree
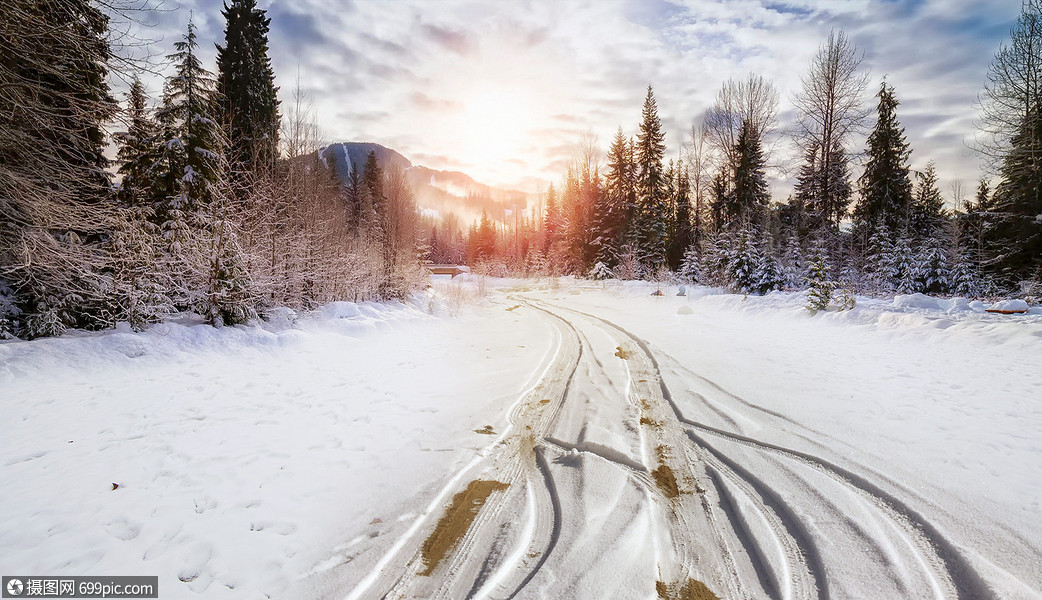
1014, 235
650, 219
249, 105
750, 194
371, 210
886, 189
191, 146
926, 215
611, 210
135, 154
682, 232
553, 222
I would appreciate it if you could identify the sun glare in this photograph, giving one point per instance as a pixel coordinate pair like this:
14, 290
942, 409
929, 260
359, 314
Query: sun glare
493, 125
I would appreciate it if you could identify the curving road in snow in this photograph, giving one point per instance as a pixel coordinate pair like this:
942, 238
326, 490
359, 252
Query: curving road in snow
614, 481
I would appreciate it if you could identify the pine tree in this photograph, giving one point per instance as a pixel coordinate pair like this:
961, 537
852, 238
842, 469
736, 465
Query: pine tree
932, 268
191, 149
748, 268
886, 190
750, 195
808, 189
837, 187
682, 230
135, 155
821, 286
371, 204
649, 233
882, 261
904, 269
1014, 235
927, 215
249, 105
691, 266
610, 214
553, 222
485, 247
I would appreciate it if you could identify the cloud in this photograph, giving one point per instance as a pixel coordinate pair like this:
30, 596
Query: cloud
456, 41
423, 76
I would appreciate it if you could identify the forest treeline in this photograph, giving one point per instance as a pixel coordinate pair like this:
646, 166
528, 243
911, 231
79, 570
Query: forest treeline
223, 206
709, 218
219, 204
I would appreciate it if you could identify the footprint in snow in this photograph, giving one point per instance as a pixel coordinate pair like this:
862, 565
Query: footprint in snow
121, 528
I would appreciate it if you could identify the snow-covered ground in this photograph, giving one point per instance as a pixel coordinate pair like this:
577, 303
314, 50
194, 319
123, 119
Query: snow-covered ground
895, 448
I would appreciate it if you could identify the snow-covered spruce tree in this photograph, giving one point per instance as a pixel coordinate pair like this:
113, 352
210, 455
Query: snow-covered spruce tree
138, 286
793, 264
649, 224
808, 190
881, 261
749, 268
1014, 235
248, 104
904, 271
553, 222
371, 215
819, 296
135, 154
191, 196
886, 190
926, 215
54, 190
932, 269
691, 266
601, 271
1011, 121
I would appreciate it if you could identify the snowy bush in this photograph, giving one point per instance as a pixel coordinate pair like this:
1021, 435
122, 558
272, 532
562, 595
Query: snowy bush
601, 271
8, 312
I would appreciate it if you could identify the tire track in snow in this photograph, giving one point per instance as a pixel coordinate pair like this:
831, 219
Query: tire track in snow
801, 573
966, 582
503, 459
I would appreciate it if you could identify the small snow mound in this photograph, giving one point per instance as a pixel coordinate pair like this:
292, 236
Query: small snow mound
1016, 305
915, 301
339, 310
280, 318
685, 310
955, 305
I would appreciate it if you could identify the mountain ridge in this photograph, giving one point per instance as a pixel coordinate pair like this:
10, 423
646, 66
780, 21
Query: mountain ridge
439, 194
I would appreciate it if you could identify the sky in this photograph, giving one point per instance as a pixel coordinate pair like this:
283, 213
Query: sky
505, 90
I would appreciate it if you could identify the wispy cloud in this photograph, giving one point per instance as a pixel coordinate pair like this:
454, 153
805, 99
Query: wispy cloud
422, 75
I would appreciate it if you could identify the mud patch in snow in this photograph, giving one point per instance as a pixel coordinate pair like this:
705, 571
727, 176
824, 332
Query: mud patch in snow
692, 590
456, 521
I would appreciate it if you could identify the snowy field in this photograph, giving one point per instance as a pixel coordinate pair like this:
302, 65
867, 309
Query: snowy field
612, 445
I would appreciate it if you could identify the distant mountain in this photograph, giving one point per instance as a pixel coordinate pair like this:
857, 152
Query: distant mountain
439, 194
346, 154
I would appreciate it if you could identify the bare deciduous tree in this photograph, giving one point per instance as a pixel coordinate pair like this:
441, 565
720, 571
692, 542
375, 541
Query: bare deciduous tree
831, 108
753, 100
1013, 91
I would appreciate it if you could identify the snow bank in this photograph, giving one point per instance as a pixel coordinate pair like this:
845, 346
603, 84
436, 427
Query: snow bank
230, 462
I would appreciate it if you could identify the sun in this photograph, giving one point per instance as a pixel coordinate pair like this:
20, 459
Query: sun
493, 125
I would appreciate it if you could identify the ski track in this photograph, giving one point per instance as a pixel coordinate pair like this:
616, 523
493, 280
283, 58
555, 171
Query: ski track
761, 543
